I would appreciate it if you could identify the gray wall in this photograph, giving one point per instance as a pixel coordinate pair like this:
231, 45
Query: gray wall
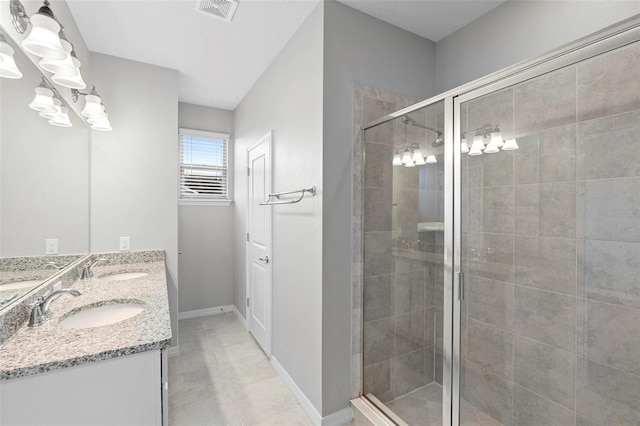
287, 99
520, 30
357, 48
134, 168
44, 191
205, 232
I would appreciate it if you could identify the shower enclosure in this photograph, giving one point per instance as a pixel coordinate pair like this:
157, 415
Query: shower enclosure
501, 240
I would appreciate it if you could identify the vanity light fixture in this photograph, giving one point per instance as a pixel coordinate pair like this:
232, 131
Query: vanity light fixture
406, 157
495, 144
431, 159
464, 148
8, 67
510, 145
61, 119
93, 110
417, 158
397, 161
477, 146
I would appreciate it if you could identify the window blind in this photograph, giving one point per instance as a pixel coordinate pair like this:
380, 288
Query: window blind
203, 166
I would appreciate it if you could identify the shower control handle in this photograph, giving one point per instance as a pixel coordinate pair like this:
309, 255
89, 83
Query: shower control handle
264, 259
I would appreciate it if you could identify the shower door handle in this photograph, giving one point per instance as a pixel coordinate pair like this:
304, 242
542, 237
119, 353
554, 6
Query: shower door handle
461, 285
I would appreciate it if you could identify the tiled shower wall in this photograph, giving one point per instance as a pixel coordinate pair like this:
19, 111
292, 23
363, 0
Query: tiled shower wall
551, 241
401, 268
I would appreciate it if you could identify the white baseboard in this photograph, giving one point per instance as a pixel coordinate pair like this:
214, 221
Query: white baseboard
240, 318
338, 418
205, 312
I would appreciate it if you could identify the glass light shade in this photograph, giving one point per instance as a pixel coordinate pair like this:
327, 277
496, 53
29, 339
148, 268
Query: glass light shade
464, 148
8, 67
496, 140
477, 146
62, 119
406, 157
50, 115
431, 159
43, 40
72, 81
417, 157
491, 149
102, 125
397, 161
60, 66
410, 164
43, 101
510, 145
92, 106
96, 118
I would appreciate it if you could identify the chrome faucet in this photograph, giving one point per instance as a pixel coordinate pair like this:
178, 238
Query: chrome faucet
40, 309
87, 268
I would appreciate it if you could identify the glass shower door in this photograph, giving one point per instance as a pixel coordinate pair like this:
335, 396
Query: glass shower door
550, 248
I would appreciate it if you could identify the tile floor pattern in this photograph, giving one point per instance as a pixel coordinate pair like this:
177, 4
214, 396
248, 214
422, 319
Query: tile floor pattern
221, 377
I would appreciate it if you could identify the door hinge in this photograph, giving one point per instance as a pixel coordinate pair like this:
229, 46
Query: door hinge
248, 171
247, 236
248, 302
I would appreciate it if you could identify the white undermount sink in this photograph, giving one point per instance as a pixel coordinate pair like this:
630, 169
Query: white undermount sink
126, 276
102, 315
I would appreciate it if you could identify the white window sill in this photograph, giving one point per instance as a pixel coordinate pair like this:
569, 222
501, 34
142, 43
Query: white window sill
204, 202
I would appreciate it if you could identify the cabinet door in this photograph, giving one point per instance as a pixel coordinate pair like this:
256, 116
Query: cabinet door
118, 391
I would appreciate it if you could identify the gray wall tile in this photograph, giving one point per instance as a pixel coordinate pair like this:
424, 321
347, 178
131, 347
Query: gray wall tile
377, 209
557, 207
378, 340
609, 209
545, 370
557, 156
525, 159
373, 109
379, 297
546, 101
493, 209
410, 289
377, 165
597, 159
490, 301
490, 169
377, 380
409, 334
405, 210
408, 372
609, 271
610, 335
493, 109
526, 209
608, 84
530, 409
607, 396
546, 263
429, 327
378, 257
491, 348
488, 392
546, 317
490, 256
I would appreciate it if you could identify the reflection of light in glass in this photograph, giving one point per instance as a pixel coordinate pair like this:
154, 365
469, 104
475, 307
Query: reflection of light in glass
464, 148
410, 164
496, 139
510, 145
491, 149
397, 161
477, 146
406, 157
431, 159
417, 158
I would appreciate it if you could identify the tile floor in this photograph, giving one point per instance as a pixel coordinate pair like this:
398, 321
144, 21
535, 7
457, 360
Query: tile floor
221, 377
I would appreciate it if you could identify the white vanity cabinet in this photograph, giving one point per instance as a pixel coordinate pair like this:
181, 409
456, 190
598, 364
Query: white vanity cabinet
126, 390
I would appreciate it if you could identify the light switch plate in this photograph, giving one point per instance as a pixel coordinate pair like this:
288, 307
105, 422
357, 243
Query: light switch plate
125, 243
51, 246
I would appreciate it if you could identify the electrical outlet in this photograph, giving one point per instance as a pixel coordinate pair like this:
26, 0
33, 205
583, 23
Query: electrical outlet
51, 246
125, 243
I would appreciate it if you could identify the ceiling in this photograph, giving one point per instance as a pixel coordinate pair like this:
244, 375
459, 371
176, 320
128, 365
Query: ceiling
218, 61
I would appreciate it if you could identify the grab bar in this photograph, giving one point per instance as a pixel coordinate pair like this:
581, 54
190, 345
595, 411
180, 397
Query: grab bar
277, 196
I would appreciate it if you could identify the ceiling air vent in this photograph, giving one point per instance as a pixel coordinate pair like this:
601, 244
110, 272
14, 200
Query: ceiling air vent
221, 9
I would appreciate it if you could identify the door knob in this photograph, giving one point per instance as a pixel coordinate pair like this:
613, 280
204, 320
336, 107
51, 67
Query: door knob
264, 259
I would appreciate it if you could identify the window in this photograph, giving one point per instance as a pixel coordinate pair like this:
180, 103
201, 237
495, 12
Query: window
204, 166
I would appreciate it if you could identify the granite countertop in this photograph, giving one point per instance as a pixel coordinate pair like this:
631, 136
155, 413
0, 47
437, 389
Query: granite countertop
33, 350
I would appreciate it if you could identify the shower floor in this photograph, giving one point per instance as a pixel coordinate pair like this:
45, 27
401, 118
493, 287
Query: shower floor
423, 407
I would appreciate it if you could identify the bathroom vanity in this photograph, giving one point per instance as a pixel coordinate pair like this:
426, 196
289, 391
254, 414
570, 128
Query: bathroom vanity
101, 357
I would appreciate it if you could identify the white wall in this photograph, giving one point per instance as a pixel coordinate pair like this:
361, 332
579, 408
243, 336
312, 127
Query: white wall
519, 30
362, 49
44, 174
288, 100
134, 168
205, 232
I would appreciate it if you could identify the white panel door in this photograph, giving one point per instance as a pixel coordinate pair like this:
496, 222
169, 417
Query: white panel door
259, 243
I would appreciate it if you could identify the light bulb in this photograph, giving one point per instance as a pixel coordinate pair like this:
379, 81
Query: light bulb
464, 148
406, 157
510, 145
397, 161
477, 146
43, 40
49, 115
43, 101
92, 107
8, 67
431, 159
60, 66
